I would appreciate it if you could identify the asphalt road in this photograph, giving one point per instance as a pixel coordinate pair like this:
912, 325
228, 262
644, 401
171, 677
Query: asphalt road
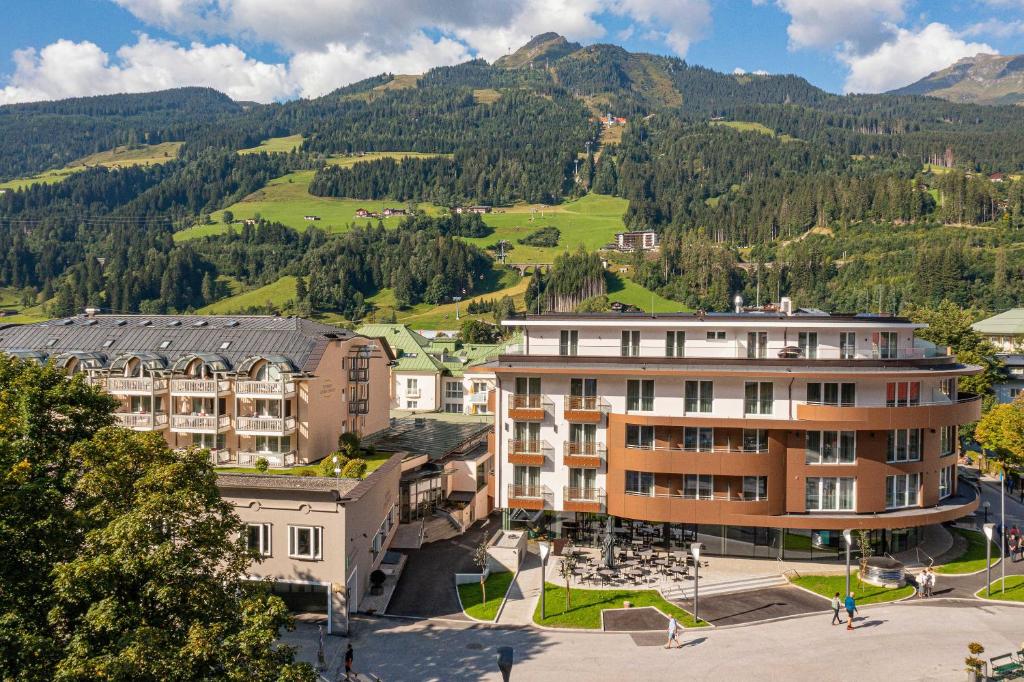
748, 607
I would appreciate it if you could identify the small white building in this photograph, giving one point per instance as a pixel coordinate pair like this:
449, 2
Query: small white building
634, 241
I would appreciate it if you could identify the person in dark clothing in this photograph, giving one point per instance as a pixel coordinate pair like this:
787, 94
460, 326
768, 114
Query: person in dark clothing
348, 662
836, 605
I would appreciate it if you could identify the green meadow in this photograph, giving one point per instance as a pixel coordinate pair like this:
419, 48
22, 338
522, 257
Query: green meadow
119, 157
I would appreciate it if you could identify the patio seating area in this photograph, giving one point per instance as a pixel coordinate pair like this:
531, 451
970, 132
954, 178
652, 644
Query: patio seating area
635, 566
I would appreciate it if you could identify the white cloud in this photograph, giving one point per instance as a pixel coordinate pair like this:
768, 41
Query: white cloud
856, 25
909, 56
678, 23
69, 69
738, 71
761, 72
995, 28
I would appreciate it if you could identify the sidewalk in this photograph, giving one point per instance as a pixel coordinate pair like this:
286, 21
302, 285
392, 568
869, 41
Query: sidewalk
522, 596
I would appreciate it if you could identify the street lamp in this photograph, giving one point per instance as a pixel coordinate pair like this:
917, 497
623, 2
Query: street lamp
545, 550
456, 299
695, 551
985, 506
989, 529
848, 536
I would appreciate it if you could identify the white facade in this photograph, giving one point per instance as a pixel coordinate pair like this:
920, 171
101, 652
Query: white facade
418, 391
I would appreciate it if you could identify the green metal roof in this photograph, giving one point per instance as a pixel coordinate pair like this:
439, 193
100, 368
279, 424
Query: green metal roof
1010, 323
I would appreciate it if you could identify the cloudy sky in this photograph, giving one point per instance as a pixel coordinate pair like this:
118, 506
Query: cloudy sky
272, 50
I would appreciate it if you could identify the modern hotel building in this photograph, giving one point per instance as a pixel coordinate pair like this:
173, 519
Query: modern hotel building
762, 433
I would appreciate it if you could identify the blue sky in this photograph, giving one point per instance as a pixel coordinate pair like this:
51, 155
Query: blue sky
268, 50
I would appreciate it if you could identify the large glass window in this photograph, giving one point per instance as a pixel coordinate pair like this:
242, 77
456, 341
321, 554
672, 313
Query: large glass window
582, 483
699, 486
273, 444
904, 445
675, 344
257, 538
947, 440
630, 345
699, 396
755, 440
527, 480
638, 436
758, 397
640, 483
901, 490
946, 481
831, 447
885, 345
844, 395
568, 342
305, 542
698, 439
847, 345
757, 344
830, 494
453, 390
755, 487
640, 395
902, 393
808, 342
527, 436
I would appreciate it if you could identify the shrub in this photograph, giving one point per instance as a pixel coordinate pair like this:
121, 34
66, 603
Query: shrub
326, 466
545, 237
262, 465
355, 468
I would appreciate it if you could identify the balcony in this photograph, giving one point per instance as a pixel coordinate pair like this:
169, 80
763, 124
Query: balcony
199, 423
141, 421
274, 459
584, 455
883, 417
527, 452
527, 496
585, 409
264, 426
265, 389
359, 406
528, 407
583, 500
359, 375
136, 385
200, 387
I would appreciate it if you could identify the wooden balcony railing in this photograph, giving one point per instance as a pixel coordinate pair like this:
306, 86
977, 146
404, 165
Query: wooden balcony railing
200, 423
200, 386
270, 389
136, 385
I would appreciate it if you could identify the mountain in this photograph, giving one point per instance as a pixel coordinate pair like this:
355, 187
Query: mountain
981, 79
545, 47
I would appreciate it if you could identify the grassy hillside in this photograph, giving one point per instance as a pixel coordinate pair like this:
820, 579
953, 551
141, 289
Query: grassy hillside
625, 290
275, 145
120, 157
275, 294
749, 127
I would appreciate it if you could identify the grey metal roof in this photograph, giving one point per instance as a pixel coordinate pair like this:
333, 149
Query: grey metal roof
340, 486
172, 337
432, 437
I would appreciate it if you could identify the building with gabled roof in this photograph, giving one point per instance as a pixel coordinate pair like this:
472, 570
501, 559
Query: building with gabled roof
1006, 332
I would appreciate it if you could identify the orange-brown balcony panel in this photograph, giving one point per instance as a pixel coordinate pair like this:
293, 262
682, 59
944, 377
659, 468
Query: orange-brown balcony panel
584, 409
589, 500
528, 407
527, 496
666, 461
965, 410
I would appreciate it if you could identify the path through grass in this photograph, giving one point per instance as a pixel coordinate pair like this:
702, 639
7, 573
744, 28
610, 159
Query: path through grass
973, 558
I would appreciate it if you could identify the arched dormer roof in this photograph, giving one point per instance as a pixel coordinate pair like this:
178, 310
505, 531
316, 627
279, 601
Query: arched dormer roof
33, 355
84, 360
215, 362
149, 361
249, 364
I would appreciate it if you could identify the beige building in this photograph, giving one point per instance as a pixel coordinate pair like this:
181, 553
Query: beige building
319, 538
248, 388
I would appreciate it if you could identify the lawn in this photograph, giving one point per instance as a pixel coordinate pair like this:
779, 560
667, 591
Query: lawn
119, 157
275, 295
625, 290
587, 605
751, 127
276, 145
591, 220
486, 96
828, 585
372, 464
973, 558
1014, 589
497, 585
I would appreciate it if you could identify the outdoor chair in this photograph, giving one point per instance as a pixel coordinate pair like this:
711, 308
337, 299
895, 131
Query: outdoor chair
1005, 667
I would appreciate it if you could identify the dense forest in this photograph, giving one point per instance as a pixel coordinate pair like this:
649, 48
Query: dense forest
756, 183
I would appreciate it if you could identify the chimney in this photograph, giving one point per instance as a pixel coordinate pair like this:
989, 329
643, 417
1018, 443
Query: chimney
786, 305
92, 312
738, 303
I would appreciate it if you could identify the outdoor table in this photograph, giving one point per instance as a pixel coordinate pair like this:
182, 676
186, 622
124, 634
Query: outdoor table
606, 571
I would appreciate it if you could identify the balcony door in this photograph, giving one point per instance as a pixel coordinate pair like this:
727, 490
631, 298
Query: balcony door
582, 483
568, 342
808, 342
885, 345
527, 434
528, 386
757, 344
583, 436
582, 394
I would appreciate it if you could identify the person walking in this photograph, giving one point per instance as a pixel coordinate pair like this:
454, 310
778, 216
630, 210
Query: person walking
851, 608
922, 584
837, 604
348, 662
931, 582
673, 630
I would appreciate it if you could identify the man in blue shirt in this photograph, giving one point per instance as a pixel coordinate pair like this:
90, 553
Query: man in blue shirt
851, 608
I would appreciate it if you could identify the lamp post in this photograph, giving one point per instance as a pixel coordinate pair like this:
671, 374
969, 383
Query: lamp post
1002, 526
456, 299
848, 536
985, 506
988, 528
695, 551
545, 550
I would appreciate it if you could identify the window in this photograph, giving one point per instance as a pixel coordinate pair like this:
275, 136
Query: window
902, 393
582, 483
165, 344
755, 440
412, 404
675, 344
947, 440
946, 481
640, 395
453, 390
453, 408
844, 395
904, 445
755, 487
527, 436
305, 542
639, 436
527, 478
568, 342
1013, 393
225, 345
273, 444
209, 441
583, 437
757, 344
831, 447
699, 396
830, 494
582, 394
808, 342
108, 343
640, 483
257, 538
716, 336
885, 345
757, 397
699, 486
698, 439
847, 345
412, 386
630, 346
901, 491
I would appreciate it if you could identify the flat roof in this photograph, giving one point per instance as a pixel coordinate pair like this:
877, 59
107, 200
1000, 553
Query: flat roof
800, 315
422, 436
340, 486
